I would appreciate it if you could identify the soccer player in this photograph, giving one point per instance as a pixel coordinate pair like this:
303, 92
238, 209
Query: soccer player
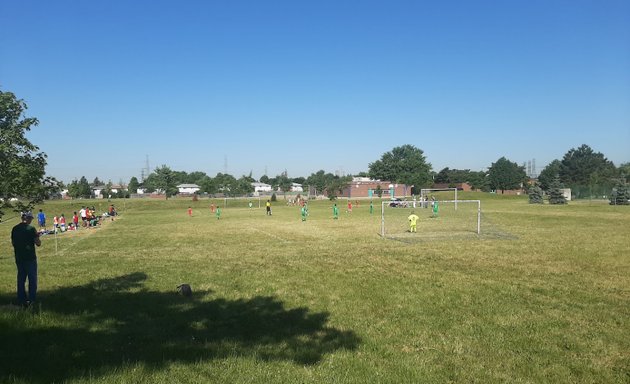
335, 212
218, 212
268, 205
413, 219
349, 206
190, 211
304, 213
371, 207
436, 207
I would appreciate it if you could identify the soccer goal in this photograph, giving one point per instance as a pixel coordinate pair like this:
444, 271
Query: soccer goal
424, 193
447, 222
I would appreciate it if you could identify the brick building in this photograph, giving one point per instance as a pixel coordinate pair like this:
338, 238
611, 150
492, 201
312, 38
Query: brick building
365, 187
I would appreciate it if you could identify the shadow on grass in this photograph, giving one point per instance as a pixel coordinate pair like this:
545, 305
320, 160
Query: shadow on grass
95, 329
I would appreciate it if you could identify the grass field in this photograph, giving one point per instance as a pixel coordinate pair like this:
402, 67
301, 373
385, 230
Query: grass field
278, 300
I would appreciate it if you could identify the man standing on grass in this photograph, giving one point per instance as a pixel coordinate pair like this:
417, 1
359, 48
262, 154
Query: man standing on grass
41, 220
24, 238
268, 206
413, 220
218, 212
304, 212
335, 212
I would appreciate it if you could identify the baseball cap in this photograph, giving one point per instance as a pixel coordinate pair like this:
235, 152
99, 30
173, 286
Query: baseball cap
27, 214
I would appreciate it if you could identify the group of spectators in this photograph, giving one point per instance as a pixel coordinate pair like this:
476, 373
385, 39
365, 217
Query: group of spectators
25, 238
86, 217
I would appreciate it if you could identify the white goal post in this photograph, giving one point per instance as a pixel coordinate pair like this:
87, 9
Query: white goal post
453, 220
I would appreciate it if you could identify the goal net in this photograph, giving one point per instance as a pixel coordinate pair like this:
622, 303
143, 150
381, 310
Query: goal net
453, 219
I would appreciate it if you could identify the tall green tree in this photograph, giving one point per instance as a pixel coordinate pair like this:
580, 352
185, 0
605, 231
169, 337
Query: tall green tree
584, 167
22, 165
207, 185
299, 180
242, 186
405, 164
337, 185
624, 171
506, 175
225, 183
195, 177
284, 183
133, 185
80, 189
477, 180
165, 181
548, 174
318, 180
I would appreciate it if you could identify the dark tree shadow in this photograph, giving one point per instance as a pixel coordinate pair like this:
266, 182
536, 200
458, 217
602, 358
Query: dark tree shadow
116, 322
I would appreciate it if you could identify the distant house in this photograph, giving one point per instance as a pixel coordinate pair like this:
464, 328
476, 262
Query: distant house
97, 190
261, 187
187, 189
117, 188
295, 187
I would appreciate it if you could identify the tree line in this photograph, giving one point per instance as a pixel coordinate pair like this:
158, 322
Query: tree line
23, 181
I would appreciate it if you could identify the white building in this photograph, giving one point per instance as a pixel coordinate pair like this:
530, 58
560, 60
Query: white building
261, 187
188, 189
295, 187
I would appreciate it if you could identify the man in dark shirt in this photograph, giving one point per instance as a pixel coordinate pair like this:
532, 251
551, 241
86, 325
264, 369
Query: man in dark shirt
24, 238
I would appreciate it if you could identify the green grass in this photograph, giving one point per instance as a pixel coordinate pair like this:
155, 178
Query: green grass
277, 300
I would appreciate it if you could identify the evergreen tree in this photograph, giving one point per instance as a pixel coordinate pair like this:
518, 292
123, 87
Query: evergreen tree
546, 175
555, 193
620, 194
535, 195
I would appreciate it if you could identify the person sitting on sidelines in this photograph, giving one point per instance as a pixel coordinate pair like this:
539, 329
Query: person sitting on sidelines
62, 223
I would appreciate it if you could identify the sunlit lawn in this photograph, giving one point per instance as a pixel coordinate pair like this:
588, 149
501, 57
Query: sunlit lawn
544, 298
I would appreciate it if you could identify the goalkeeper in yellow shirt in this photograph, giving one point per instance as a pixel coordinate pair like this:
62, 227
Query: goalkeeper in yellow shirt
413, 220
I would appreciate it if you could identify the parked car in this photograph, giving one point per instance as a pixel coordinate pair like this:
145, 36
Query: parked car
398, 203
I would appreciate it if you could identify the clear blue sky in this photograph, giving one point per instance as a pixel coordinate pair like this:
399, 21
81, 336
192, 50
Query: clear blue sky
310, 85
